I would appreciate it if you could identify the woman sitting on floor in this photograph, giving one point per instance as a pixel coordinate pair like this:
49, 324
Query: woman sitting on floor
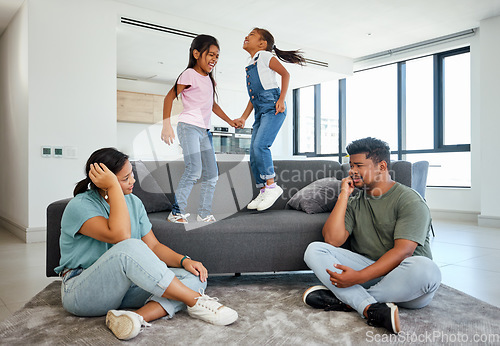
111, 260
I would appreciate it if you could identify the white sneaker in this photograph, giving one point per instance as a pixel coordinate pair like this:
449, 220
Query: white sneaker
209, 218
125, 324
255, 203
210, 310
270, 196
178, 218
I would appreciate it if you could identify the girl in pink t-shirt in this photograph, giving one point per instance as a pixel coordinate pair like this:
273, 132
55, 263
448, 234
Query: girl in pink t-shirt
197, 88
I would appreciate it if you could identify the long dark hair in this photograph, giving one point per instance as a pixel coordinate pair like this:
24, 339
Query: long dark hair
292, 56
202, 44
112, 158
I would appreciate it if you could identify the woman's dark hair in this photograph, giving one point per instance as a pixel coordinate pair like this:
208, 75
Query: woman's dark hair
374, 148
112, 158
202, 44
292, 56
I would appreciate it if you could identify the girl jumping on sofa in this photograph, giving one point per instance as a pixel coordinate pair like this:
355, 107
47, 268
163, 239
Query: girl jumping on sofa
111, 260
268, 102
197, 87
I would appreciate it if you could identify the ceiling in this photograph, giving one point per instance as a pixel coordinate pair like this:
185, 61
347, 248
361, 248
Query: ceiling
342, 28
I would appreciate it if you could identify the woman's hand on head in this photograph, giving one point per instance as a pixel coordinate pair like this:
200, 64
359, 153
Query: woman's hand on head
102, 177
196, 268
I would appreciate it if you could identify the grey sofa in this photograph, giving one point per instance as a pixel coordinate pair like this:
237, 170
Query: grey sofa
242, 240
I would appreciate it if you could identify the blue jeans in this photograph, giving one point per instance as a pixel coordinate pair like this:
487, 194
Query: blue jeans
199, 158
411, 285
265, 129
128, 275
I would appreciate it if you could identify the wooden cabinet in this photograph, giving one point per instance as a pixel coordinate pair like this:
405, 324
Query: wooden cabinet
143, 108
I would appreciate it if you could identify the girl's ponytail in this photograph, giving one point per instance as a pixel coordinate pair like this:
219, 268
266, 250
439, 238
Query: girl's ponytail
291, 56
82, 186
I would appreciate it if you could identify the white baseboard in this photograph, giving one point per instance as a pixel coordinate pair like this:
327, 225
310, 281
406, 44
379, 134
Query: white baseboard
28, 235
455, 215
488, 221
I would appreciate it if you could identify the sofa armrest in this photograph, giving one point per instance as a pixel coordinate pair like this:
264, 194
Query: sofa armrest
401, 172
419, 173
54, 215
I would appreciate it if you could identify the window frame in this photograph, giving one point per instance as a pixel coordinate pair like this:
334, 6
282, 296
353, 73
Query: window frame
438, 92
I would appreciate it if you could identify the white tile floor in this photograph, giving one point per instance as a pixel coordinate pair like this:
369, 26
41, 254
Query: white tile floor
468, 256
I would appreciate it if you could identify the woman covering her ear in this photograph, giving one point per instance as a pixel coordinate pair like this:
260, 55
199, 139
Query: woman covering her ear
111, 261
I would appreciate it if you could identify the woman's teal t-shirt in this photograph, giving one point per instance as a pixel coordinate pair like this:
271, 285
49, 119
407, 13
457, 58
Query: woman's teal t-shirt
78, 250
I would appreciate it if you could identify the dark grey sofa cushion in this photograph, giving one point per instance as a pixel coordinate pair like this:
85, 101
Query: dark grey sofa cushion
245, 242
148, 190
318, 197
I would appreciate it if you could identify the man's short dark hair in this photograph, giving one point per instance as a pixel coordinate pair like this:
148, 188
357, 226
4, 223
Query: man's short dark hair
375, 149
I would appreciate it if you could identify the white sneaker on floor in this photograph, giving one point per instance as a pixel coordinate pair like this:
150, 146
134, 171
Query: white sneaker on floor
178, 218
125, 324
255, 203
270, 196
209, 218
210, 310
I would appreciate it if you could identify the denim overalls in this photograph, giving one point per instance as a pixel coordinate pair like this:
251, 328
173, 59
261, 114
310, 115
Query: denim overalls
266, 126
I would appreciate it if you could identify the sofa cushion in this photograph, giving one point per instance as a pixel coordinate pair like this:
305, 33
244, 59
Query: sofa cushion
148, 190
318, 197
240, 242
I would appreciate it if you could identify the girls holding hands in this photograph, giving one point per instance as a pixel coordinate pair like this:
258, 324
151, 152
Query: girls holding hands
268, 102
110, 258
197, 87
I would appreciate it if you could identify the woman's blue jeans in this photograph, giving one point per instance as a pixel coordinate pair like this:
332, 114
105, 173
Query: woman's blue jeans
411, 285
126, 276
199, 158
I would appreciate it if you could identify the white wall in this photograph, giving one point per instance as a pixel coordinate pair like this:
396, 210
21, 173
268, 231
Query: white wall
14, 122
490, 122
67, 99
72, 93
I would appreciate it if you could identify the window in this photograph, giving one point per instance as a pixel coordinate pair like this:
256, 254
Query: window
419, 125
372, 105
306, 121
329, 118
456, 110
317, 128
420, 107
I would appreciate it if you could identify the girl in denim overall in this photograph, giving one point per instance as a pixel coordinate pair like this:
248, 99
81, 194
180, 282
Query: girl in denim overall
268, 102
197, 86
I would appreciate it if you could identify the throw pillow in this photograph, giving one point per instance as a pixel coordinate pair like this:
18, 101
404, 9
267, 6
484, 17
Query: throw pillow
148, 190
318, 197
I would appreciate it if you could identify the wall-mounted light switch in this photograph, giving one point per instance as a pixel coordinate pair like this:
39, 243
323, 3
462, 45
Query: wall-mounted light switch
70, 152
58, 152
46, 151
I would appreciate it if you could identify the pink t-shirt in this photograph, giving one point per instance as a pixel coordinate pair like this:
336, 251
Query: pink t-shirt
197, 100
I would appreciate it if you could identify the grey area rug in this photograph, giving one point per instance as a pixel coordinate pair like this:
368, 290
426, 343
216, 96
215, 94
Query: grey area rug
271, 313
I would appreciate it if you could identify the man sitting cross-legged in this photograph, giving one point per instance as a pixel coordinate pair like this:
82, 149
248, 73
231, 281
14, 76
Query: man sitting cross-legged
390, 262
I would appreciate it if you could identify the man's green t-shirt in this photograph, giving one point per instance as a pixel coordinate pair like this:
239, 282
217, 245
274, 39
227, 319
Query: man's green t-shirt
375, 222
